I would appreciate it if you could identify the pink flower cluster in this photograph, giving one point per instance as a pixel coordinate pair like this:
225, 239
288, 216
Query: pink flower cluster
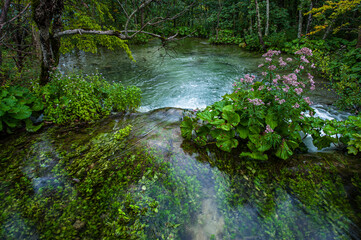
304, 59
280, 101
310, 77
282, 63
256, 101
307, 100
270, 53
272, 67
290, 79
248, 79
296, 105
304, 51
268, 129
298, 90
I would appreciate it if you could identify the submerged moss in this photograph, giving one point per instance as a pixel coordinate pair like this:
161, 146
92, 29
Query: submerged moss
78, 183
103, 181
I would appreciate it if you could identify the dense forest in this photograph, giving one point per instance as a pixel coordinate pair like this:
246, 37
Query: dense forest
261, 119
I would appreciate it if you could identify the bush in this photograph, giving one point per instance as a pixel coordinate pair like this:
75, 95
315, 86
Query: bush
17, 105
226, 37
265, 116
86, 98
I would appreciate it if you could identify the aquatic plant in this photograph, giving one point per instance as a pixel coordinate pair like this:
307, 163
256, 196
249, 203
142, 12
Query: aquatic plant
262, 116
64, 184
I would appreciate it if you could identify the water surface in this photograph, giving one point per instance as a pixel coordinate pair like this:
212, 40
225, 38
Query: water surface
187, 74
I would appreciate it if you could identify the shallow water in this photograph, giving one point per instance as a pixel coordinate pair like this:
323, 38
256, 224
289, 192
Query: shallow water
203, 193
189, 74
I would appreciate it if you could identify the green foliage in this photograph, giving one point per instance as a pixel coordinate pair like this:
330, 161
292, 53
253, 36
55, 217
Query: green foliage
17, 105
92, 184
225, 37
252, 42
262, 117
341, 133
86, 98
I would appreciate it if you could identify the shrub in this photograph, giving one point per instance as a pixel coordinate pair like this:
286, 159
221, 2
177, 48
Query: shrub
226, 37
17, 105
265, 116
86, 98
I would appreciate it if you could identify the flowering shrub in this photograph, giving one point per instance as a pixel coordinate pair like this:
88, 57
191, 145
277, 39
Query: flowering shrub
264, 115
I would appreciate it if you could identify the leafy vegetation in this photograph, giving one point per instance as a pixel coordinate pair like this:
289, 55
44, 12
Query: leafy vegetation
84, 98
93, 187
17, 106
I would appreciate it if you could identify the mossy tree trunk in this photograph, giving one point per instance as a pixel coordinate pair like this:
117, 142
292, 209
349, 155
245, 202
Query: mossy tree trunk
47, 16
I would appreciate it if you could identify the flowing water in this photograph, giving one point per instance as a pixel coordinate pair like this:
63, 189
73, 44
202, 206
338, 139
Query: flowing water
203, 193
190, 74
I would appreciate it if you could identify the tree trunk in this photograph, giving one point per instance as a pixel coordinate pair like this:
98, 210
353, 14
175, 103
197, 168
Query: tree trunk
250, 25
4, 13
218, 17
36, 41
47, 16
300, 21
141, 17
358, 45
267, 18
327, 31
259, 26
309, 20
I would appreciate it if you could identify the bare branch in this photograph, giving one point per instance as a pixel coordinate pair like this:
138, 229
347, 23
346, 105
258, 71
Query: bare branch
134, 12
4, 12
161, 19
21, 13
125, 11
118, 34
91, 32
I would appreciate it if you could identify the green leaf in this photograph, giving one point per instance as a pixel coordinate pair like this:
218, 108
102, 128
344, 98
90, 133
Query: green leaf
352, 150
217, 122
30, 127
207, 115
22, 112
255, 129
1, 125
219, 105
231, 117
226, 141
284, 152
8, 103
242, 131
11, 122
225, 127
37, 106
3, 93
271, 120
187, 127
228, 108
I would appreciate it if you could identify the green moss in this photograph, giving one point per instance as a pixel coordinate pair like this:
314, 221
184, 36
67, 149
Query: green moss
72, 183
